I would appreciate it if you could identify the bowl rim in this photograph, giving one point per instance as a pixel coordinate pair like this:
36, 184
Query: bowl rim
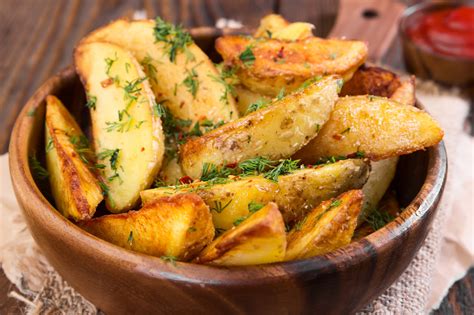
414, 214
421, 7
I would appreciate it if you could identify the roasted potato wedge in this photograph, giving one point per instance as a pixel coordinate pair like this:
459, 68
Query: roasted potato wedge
260, 239
270, 24
383, 171
128, 136
245, 98
296, 119
74, 186
267, 66
371, 81
190, 83
228, 202
326, 228
295, 193
376, 127
178, 226
294, 31
302, 190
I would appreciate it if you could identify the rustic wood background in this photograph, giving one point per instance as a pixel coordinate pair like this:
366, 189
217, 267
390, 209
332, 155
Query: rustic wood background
37, 39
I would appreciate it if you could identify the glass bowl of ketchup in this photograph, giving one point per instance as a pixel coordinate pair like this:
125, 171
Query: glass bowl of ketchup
438, 42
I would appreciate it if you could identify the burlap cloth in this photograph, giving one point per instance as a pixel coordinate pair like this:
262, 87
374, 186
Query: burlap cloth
446, 255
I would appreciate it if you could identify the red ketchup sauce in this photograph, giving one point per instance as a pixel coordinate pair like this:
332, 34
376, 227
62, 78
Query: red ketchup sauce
448, 32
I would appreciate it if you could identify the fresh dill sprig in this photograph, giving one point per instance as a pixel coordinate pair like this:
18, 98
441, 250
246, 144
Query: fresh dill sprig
254, 206
283, 168
91, 101
191, 82
261, 103
170, 259
39, 172
255, 166
150, 69
247, 57
175, 38
108, 64
378, 219
219, 207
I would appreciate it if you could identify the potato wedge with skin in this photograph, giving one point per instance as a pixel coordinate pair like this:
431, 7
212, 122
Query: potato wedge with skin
228, 202
168, 78
383, 171
371, 81
74, 186
128, 136
281, 64
245, 98
275, 132
328, 227
260, 239
178, 226
378, 127
270, 23
302, 190
295, 193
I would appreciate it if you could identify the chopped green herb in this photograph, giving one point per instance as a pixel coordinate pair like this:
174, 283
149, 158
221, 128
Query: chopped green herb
332, 56
269, 34
191, 82
159, 109
175, 38
378, 219
192, 229
39, 172
132, 89
31, 112
150, 69
308, 82
285, 167
335, 203
170, 259
104, 187
49, 144
281, 94
218, 207
130, 238
239, 220
108, 64
227, 74
81, 146
91, 101
255, 166
360, 154
300, 224
247, 56
318, 127
254, 206
257, 105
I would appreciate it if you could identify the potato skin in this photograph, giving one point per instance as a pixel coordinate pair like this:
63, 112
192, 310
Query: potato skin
178, 226
260, 239
302, 190
371, 81
166, 77
141, 144
74, 186
379, 127
287, 64
327, 227
296, 119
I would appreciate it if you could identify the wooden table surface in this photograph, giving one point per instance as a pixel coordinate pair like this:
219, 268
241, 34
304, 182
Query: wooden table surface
37, 39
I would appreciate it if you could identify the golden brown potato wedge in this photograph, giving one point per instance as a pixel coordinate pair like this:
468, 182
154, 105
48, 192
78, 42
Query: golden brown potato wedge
302, 190
275, 132
246, 98
128, 136
375, 127
294, 31
74, 186
267, 66
270, 24
326, 228
371, 81
179, 226
228, 202
190, 83
260, 239
295, 193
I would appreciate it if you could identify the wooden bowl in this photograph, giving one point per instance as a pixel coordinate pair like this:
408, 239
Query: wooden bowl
427, 64
119, 281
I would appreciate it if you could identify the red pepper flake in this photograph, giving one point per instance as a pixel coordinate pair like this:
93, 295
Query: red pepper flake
280, 53
337, 136
107, 82
232, 165
185, 180
142, 149
309, 166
